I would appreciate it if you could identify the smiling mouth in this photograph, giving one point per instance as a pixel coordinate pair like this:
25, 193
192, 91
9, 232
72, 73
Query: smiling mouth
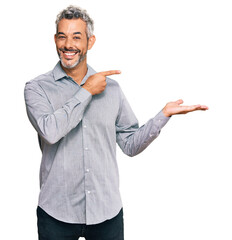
70, 53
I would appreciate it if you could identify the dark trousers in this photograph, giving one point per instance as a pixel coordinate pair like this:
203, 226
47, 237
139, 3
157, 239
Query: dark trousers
50, 228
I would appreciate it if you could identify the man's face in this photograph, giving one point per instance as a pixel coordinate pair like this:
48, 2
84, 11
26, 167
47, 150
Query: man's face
71, 42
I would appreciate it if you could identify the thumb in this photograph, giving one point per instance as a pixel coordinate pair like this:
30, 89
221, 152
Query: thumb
180, 101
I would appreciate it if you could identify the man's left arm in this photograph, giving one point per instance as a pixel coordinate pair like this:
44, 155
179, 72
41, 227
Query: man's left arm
133, 139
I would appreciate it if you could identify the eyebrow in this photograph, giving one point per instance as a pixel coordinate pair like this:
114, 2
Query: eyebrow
73, 33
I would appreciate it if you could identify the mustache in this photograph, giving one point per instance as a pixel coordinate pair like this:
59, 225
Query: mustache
69, 50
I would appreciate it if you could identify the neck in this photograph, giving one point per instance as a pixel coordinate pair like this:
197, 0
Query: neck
77, 73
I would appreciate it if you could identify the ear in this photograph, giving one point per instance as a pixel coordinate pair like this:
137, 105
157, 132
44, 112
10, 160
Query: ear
91, 41
55, 38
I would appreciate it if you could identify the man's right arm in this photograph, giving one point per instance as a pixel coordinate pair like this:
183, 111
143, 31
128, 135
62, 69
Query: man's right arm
53, 125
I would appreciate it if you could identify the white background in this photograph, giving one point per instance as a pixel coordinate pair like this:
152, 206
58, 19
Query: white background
180, 186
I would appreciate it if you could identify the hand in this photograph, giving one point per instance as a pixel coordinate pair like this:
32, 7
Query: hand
96, 83
173, 108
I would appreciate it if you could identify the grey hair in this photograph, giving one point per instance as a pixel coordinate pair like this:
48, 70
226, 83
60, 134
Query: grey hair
73, 12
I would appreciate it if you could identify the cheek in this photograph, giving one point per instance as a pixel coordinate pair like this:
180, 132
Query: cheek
58, 44
82, 47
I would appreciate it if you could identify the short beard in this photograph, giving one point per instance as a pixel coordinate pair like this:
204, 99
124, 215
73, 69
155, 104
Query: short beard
81, 58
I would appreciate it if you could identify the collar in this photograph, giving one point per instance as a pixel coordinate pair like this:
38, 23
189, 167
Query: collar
59, 73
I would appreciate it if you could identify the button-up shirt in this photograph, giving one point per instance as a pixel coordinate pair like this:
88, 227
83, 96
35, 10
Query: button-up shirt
79, 179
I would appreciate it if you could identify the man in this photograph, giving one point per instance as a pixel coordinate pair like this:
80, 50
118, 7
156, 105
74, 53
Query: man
79, 116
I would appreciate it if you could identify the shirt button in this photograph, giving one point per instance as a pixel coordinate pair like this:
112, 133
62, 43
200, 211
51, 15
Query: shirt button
79, 119
84, 126
86, 148
151, 135
87, 170
88, 192
159, 120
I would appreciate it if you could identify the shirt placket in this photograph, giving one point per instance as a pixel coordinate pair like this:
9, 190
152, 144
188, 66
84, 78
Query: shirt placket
87, 166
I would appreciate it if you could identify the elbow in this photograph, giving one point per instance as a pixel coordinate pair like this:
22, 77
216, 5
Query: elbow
49, 139
133, 151
52, 141
48, 133
130, 152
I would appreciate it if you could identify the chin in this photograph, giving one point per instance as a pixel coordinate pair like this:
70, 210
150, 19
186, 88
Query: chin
69, 65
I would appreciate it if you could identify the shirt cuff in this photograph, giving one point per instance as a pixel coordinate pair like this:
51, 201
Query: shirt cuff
160, 119
83, 95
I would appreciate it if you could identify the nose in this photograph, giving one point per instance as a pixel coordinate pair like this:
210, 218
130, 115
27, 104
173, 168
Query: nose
68, 43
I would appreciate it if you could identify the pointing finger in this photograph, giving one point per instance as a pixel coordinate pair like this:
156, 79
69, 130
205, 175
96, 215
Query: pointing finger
111, 72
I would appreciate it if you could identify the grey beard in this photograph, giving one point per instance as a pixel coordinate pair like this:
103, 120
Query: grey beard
81, 58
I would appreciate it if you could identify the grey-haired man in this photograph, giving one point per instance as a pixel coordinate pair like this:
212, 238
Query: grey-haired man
80, 115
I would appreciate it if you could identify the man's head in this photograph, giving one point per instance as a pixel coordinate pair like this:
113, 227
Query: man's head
74, 36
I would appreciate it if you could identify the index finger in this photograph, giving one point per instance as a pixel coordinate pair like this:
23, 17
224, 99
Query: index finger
111, 72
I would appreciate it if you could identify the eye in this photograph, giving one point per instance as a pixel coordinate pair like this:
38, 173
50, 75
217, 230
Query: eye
61, 37
77, 38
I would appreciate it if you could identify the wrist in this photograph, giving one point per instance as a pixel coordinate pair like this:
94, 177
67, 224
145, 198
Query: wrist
166, 113
85, 86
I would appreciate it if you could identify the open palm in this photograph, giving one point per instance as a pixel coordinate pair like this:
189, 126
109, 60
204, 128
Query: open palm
173, 108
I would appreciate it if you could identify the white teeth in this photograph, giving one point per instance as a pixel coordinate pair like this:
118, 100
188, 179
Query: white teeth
69, 54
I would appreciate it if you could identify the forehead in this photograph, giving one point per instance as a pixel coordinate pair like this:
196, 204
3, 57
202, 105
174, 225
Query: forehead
71, 25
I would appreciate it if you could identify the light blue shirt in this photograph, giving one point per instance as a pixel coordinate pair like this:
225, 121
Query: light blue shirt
78, 132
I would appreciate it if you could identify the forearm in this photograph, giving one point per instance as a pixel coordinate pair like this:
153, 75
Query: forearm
140, 139
53, 125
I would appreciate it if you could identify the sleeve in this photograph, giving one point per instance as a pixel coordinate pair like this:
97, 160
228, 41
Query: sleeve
131, 138
53, 125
